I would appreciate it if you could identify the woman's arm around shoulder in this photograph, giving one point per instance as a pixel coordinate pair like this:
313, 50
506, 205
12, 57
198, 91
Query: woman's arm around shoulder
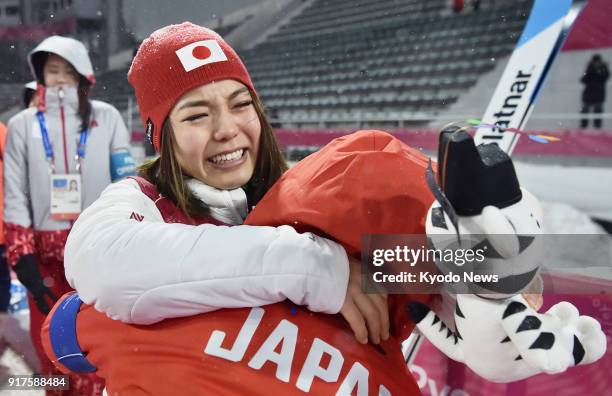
122, 258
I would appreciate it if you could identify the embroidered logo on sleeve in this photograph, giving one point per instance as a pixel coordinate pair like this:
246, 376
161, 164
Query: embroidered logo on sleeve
136, 216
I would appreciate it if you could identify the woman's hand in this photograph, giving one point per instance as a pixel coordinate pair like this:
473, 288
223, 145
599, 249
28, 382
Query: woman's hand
367, 314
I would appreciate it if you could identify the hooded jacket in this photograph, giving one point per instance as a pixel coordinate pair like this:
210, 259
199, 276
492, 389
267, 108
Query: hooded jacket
27, 171
73, 51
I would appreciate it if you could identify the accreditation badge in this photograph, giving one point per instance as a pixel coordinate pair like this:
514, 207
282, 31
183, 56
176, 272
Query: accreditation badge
66, 200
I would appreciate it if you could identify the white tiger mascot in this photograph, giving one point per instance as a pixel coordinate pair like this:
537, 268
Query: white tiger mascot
497, 334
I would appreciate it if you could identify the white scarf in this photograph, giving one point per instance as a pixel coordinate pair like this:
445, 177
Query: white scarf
227, 206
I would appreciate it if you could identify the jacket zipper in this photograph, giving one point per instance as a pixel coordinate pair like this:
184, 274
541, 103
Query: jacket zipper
67, 170
62, 117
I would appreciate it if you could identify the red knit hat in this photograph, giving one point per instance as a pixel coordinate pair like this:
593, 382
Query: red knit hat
174, 60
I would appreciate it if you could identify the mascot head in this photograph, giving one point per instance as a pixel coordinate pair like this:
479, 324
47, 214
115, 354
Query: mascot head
481, 207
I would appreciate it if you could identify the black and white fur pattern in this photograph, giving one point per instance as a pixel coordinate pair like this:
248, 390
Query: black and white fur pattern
511, 238
506, 340
497, 334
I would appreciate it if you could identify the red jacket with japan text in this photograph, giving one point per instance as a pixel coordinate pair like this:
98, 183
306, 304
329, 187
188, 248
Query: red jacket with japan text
367, 182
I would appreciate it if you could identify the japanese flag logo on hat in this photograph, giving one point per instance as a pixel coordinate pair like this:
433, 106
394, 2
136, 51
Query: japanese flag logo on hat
200, 53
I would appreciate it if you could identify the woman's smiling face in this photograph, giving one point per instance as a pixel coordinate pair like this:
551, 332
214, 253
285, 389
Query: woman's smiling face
217, 132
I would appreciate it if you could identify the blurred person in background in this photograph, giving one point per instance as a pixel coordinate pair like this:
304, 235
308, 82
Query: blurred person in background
458, 5
65, 137
594, 95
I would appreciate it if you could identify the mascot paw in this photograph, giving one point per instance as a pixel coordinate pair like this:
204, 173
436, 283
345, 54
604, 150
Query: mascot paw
589, 341
566, 313
556, 340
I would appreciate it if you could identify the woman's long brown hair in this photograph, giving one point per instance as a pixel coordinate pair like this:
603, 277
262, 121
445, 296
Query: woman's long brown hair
166, 174
83, 91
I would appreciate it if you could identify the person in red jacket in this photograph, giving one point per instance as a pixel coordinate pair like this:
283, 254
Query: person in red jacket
280, 348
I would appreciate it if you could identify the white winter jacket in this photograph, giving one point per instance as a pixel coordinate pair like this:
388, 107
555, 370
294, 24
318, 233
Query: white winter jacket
27, 173
126, 261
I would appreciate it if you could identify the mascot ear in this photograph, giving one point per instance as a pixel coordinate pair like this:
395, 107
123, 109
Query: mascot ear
500, 232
